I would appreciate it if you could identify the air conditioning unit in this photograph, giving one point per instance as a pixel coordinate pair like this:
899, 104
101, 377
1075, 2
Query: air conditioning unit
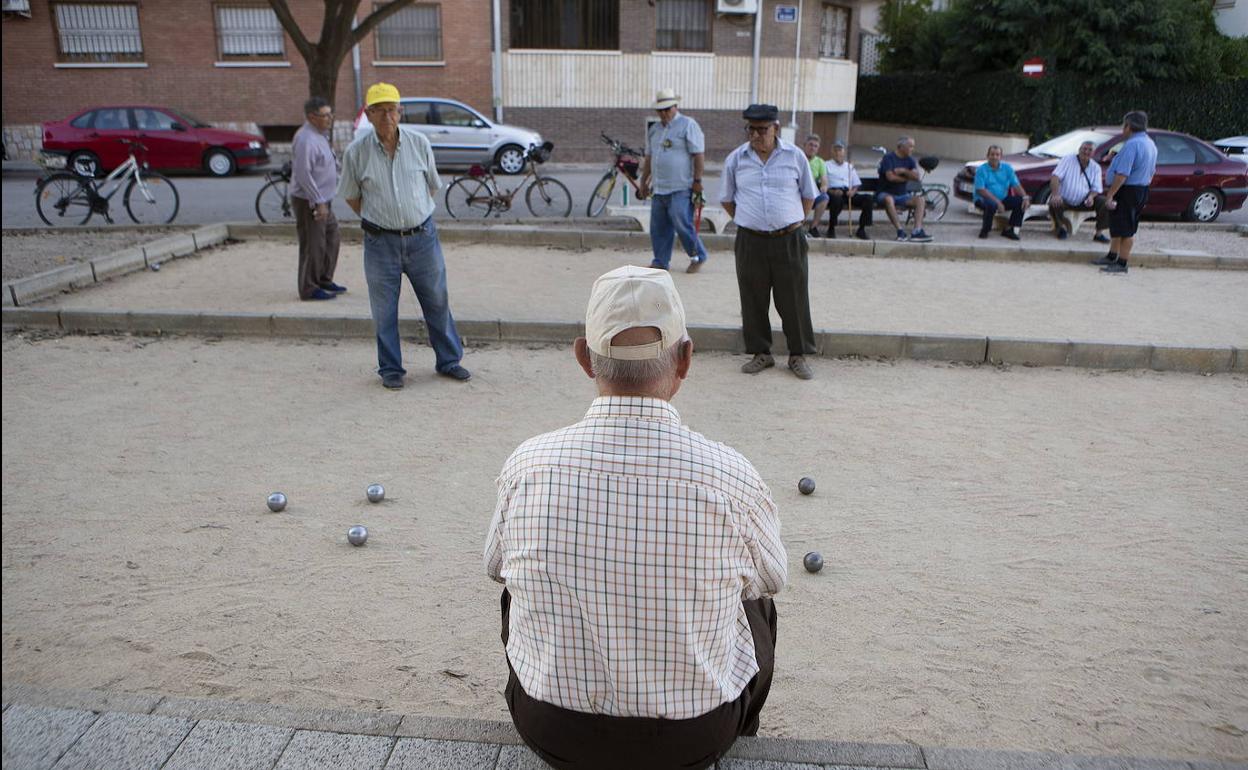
736, 6
15, 6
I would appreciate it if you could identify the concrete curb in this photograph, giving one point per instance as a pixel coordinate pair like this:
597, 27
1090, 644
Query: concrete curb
79, 275
1087, 354
786, 752
627, 240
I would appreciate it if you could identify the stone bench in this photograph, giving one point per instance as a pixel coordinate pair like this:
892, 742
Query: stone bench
716, 216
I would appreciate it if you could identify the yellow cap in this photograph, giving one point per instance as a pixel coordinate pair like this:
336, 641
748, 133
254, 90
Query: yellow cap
381, 92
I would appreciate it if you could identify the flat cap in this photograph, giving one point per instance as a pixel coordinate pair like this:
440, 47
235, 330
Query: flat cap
761, 112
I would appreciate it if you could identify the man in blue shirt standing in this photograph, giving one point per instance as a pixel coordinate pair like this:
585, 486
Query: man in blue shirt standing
1130, 173
997, 187
672, 168
897, 170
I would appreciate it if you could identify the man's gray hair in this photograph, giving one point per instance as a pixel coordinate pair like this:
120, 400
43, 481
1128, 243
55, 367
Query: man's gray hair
1087, 143
814, 137
905, 140
314, 104
619, 371
1136, 120
992, 147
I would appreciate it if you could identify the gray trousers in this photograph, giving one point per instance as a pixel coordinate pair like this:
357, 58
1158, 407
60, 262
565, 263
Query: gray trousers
318, 247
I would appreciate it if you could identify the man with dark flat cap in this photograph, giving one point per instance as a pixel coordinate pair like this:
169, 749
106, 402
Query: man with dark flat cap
768, 190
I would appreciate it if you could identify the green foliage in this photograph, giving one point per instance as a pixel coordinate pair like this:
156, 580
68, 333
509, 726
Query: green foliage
1041, 108
1122, 44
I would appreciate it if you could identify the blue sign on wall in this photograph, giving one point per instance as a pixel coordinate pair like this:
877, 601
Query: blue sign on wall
786, 14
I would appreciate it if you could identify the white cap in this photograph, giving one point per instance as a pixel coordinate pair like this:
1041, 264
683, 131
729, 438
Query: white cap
630, 297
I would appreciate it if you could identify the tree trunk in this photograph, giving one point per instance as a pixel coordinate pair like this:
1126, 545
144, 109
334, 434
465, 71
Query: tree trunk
323, 77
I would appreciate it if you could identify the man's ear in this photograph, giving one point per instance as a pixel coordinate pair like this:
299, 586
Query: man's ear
580, 349
684, 359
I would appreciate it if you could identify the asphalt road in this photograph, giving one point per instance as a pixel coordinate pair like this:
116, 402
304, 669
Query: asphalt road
206, 200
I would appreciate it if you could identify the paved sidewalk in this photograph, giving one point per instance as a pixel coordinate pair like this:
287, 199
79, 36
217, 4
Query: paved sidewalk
81, 729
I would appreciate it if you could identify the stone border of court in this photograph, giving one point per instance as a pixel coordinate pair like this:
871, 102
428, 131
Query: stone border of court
830, 343
565, 238
24, 291
480, 731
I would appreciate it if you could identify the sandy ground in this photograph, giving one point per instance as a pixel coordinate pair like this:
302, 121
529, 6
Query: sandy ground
27, 253
1026, 558
1048, 300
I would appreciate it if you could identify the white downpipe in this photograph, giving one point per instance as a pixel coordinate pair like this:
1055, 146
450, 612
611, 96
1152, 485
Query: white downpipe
355, 70
797, 68
758, 51
496, 74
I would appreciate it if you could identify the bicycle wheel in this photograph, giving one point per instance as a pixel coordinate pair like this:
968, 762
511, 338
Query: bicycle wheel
273, 202
151, 199
467, 198
63, 199
547, 197
601, 195
937, 204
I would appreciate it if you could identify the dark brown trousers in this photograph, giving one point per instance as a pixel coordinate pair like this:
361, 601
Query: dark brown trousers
568, 739
318, 247
768, 265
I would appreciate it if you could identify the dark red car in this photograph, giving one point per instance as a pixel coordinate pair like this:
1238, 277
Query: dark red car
174, 140
1193, 178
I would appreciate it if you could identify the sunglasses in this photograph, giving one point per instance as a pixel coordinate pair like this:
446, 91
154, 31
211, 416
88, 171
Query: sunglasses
759, 130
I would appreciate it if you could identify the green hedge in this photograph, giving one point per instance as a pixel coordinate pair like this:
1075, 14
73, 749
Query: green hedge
1045, 107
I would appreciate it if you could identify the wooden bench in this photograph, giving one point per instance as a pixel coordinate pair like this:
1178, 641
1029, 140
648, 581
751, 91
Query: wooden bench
714, 215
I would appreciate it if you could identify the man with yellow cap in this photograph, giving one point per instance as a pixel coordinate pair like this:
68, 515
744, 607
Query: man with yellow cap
389, 178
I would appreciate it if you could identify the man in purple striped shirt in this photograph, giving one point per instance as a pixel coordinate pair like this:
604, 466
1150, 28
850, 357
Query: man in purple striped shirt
313, 184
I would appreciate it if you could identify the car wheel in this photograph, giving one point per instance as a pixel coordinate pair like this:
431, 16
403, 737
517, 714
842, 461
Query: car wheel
1041, 197
1205, 207
510, 159
85, 163
219, 162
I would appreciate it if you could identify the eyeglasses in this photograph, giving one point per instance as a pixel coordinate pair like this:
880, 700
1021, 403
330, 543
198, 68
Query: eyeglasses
760, 130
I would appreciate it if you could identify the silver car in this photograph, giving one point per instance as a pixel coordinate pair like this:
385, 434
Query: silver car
461, 136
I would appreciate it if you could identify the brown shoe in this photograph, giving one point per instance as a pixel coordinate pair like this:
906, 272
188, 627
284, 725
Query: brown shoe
799, 367
694, 265
759, 362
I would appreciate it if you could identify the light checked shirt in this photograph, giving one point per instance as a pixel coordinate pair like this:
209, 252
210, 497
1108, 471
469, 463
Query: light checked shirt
671, 149
1077, 182
628, 543
1137, 160
842, 175
397, 193
768, 197
313, 167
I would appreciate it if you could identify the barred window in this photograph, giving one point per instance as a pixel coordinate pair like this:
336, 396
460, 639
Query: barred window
834, 32
249, 30
412, 34
683, 25
98, 32
588, 25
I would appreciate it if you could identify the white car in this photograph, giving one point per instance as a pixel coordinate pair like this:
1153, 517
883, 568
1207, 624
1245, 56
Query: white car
461, 136
1234, 146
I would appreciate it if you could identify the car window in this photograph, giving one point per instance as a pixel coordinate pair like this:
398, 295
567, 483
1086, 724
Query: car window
1204, 154
416, 112
112, 119
1173, 150
451, 115
152, 120
83, 120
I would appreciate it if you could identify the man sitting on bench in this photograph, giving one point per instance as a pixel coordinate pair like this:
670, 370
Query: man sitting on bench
1077, 184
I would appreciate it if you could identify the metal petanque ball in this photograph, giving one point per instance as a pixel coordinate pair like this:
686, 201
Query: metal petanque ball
155, 267
806, 485
376, 493
813, 561
277, 501
357, 535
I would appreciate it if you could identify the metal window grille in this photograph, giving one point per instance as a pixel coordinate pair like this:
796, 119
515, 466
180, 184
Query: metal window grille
249, 31
98, 32
566, 24
412, 34
869, 53
683, 25
834, 32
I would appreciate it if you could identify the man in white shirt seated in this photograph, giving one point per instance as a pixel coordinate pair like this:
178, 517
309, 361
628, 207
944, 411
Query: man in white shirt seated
1077, 184
843, 184
639, 558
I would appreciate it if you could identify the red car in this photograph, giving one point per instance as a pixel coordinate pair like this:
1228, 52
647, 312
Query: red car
174, 140
1193, 178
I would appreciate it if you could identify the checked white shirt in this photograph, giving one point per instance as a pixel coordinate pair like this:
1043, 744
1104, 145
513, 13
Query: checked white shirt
628, 543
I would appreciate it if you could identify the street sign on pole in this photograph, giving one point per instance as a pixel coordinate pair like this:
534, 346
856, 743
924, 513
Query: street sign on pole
786, 14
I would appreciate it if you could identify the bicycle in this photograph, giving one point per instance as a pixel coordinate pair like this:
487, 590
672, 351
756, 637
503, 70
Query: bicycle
626, 161
935, 194
273, 200
478, 194
64, 197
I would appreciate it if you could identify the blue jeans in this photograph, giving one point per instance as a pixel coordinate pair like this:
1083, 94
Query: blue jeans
387, 258
672, 215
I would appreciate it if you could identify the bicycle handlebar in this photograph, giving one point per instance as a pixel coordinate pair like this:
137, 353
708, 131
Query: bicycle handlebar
619, 148
133, 144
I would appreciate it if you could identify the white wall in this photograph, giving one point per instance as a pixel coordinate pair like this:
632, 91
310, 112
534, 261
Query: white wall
941, 142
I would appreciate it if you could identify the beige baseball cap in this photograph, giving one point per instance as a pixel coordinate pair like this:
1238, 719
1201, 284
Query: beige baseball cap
630, 297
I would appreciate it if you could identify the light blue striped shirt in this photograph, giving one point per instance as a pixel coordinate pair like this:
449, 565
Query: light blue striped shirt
395, 194
768, 197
